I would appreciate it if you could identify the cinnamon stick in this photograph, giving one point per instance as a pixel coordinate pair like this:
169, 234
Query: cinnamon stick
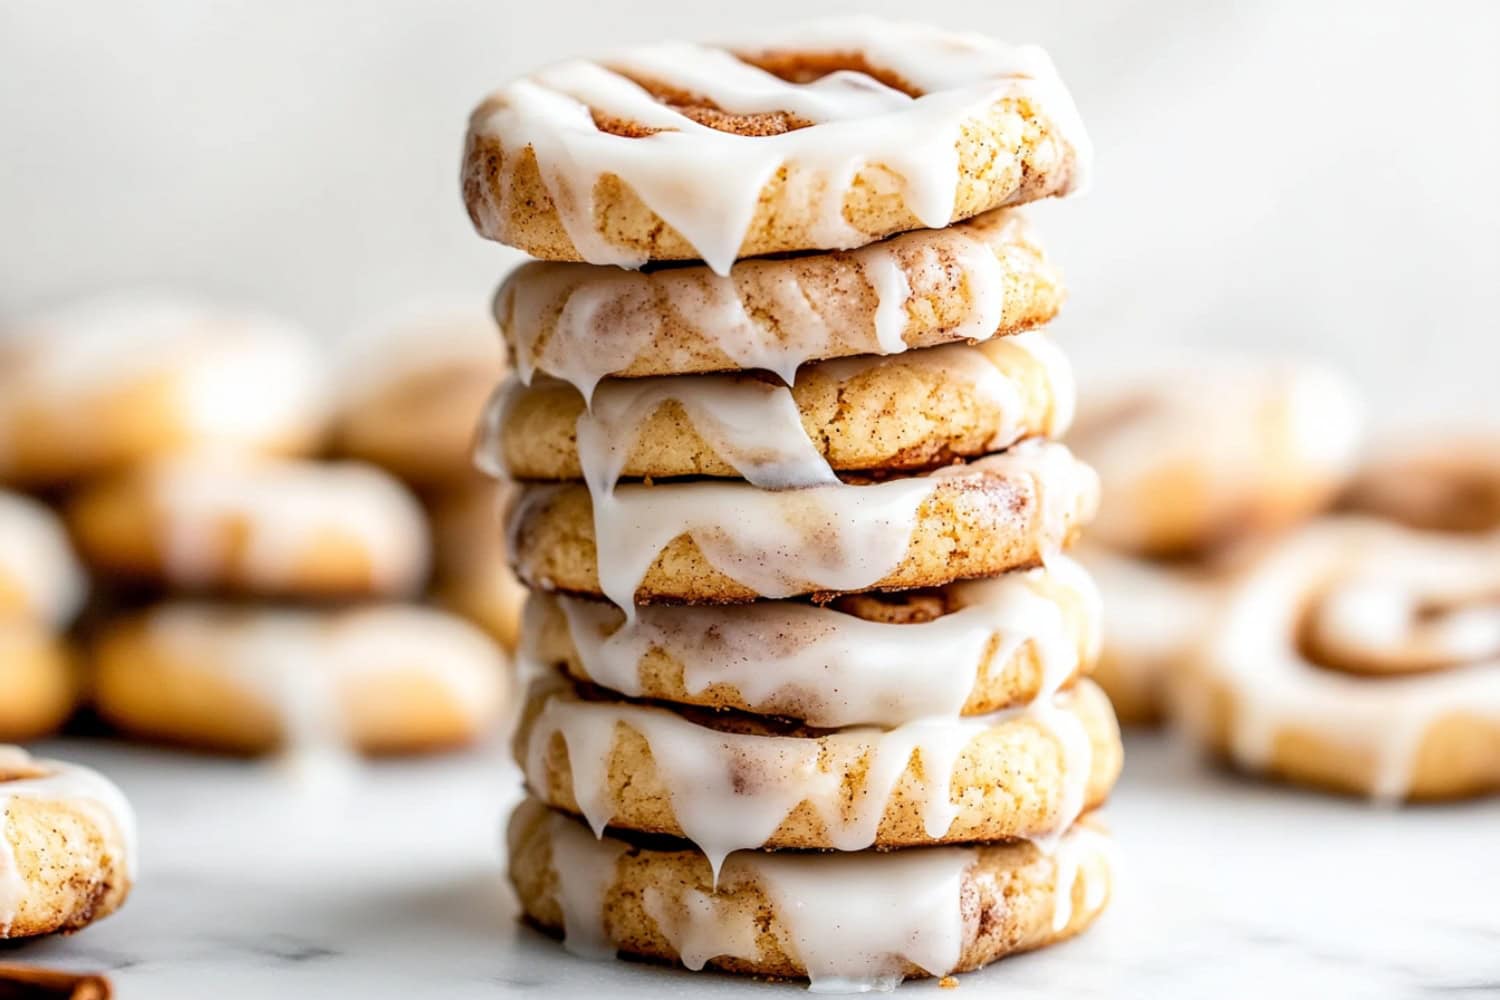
30, 982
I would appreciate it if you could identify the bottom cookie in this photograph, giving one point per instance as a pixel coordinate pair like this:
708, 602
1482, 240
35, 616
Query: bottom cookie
66, 846
848, 922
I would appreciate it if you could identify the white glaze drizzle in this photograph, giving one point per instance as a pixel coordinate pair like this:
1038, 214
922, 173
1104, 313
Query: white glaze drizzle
63, 783
698, 930
597, 321
756, 426
855, 926
299, 664
837, 669
827, 538
1079, 845
753, 425
731, 791
37, 562
857, 121
585, 867
852, 920
1256, 652
286, 509
238, 379
777, 543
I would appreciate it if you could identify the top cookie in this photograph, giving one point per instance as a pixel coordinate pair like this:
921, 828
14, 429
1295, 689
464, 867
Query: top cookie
828, 137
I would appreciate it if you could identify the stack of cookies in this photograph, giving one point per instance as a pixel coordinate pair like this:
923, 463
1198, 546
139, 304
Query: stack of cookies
812, 697
249, 595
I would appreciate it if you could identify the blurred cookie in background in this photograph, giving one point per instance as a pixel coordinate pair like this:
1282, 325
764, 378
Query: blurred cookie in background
1443, 482
270, 528
38, 682
1199, 467
1196, 459
416, 391
1153, 613
42, 587
1360, 656
473, 575
414, 394
252, 679
41, 579
98, 384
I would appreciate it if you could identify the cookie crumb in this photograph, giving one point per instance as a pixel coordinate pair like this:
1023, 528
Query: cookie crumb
948, 983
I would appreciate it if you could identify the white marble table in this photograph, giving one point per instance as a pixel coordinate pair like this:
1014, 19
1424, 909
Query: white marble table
253, 888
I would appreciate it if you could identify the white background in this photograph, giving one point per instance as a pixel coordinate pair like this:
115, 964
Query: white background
1317, 178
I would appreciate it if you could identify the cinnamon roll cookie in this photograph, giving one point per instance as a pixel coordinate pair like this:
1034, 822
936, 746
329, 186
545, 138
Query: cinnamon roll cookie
67, 846
240, 679
827, 138
266, 527
414, 396
983, 278
729, 781
100, 384
727, 542
1193, 460
969, 648
1360, 656
856, 921
910, 412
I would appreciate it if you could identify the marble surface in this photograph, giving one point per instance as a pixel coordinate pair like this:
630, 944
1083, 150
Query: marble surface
256, 885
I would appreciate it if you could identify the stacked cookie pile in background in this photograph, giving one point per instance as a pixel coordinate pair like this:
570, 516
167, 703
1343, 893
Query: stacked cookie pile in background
248, 594
413, 395
793, 525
